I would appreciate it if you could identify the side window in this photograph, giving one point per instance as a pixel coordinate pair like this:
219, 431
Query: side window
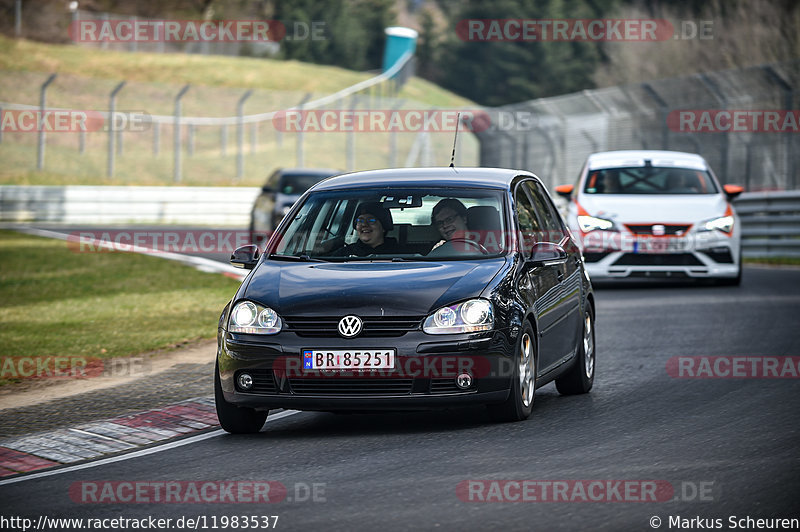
528, 223
551, 225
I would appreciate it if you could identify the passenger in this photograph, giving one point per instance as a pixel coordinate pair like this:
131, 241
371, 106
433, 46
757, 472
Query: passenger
372, 222
449, 216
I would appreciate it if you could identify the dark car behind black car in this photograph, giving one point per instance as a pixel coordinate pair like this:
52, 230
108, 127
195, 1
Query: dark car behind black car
408, 289
283, 187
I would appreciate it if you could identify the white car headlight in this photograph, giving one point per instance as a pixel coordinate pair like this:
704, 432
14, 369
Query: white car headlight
469, 316
252, 318
723, 223
590, 223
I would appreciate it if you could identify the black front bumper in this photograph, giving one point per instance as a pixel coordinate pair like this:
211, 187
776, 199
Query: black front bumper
424, 377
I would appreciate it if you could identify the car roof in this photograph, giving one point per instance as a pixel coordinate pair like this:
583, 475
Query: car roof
500, 178
629, 158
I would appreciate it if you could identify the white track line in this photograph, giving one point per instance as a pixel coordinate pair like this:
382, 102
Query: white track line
136, 454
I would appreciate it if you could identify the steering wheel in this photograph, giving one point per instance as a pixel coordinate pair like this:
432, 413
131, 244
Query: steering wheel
471, 243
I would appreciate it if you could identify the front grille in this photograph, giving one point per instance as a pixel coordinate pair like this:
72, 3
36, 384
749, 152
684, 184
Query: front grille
377, 327
669, 229
351, 386
658, 259
263, 381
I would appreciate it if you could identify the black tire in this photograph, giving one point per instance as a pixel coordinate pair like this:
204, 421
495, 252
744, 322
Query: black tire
236, 419
519, 404
580, 378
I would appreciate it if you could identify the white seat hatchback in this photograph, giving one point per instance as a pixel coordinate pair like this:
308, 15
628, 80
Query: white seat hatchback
647, 213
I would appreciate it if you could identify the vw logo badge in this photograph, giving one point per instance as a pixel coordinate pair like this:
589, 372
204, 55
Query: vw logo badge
350, 326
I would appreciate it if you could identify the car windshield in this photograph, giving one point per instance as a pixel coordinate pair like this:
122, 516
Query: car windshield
296, 184
396, 224
649, 180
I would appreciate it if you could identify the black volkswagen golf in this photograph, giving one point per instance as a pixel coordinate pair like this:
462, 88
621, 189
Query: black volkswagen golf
408, 289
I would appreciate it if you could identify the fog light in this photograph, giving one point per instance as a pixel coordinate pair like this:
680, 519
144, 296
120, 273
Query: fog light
464, 381
245, 381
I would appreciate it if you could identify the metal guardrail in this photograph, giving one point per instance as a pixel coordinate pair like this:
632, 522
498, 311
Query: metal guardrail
770, 223
214, 206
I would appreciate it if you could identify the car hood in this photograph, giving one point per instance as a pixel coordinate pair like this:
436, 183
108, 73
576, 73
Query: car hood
368, 288
655, 209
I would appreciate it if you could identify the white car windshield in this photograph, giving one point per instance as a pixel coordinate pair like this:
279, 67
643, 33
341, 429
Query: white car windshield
649, 180
431, 223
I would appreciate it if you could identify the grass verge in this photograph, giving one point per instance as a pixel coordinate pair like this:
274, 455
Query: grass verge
780, 261
58, 303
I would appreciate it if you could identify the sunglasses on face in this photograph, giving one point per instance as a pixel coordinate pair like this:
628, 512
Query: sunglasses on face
365, 221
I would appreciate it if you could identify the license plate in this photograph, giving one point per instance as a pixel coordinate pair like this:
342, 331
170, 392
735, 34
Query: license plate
327, 359
660, 245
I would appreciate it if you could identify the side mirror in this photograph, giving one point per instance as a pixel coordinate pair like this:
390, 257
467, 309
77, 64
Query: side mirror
547, 254
732, 191
245, 257
565, 190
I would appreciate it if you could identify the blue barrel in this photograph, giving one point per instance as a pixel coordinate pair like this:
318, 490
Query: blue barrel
399, 40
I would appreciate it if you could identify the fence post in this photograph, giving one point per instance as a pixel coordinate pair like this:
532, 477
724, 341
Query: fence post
134, 44
393, 139
18, 18
240, 134
112, 109
42, 104
253, 137
663, 109
713, 89
104, 42
300, 131
176, 173
788, 100
351, 139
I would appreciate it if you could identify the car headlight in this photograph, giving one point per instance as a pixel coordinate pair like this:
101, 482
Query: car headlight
469, 316
723, 223
590, 223
252, 318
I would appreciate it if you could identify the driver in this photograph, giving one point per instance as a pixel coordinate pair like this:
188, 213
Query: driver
372, 221
449, 217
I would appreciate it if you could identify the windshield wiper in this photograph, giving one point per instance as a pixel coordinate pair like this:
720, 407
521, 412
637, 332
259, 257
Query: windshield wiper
296, 258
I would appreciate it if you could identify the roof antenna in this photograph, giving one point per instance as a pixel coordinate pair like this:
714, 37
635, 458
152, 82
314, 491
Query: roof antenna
453, 157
